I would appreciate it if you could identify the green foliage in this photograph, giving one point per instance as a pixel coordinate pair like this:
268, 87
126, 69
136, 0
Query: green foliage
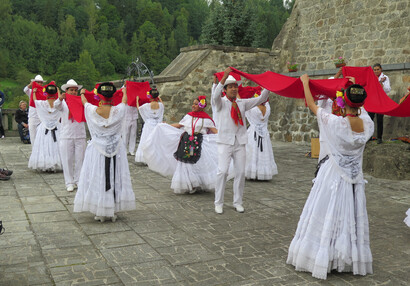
93, 39
13, 93
244, 23
5, 9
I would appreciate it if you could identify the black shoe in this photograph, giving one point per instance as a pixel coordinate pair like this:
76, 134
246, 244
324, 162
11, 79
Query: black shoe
6, 172
4, 177
379, 141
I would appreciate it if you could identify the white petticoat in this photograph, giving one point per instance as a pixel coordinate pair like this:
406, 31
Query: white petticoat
158, 154
260, 165
333, 230
45, 155
92, 195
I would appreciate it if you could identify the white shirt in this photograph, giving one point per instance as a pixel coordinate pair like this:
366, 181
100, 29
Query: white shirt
70, 129
32, 112
386, 83
201, 125
131, 113
227, 129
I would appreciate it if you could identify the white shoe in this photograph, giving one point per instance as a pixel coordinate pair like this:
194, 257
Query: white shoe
239, 209
114, 218
70, 188
132, 153
219, 209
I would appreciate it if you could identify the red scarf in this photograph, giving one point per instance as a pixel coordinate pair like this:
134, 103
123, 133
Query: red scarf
235, 112
377, 100
200, 114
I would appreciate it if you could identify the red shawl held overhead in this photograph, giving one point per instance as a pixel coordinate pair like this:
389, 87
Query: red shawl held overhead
134, 89
377, 100
39, 93
243, 91
137, 89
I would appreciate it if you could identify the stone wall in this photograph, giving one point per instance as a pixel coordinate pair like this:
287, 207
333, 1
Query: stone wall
317, 31
179, 93
363, 32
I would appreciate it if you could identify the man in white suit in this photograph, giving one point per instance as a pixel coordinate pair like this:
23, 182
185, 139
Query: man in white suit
232, 137
72, 138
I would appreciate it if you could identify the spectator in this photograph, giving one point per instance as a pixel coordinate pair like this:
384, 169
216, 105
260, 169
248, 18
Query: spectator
385, 82
22, 122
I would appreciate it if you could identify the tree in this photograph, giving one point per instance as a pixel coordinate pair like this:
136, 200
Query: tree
86, 71
181, 29
4, 62
5, 9
172, 50
244, 23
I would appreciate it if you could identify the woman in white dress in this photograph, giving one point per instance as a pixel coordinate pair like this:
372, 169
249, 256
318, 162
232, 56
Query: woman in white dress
105, 184
152, 114
188, 153
45, 155
333, 230
260, 162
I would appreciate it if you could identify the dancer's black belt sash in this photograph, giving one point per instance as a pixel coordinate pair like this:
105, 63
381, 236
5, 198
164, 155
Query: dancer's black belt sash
324, 159
107, 173
259, 139
53, 133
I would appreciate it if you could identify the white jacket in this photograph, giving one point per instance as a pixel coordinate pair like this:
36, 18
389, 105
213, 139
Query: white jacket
227, 129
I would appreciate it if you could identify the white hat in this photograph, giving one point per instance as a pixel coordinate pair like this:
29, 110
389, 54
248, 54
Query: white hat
38, 78
229, 80
70, 83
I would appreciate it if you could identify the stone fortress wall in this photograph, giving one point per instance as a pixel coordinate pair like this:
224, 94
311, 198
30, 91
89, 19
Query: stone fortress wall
363, 32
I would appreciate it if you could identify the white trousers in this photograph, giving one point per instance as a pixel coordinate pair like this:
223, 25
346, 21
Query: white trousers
72, 156
129, 135
238, 153
33, 123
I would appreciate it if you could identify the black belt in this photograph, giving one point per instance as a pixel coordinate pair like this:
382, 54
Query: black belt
107, 173
259, 138
324, 159
53, 133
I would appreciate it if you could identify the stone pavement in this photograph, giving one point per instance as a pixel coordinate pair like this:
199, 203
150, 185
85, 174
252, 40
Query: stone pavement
178, 239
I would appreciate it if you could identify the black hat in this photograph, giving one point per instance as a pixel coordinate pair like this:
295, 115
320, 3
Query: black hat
106, 89
154, 93
355, 95
51, 89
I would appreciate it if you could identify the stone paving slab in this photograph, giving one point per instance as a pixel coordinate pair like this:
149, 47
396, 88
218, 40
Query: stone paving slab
178, 239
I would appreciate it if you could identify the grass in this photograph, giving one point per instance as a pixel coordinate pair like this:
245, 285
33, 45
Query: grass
7, 83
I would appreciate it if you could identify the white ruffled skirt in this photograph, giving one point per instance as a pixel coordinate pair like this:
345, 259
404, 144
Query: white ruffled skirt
45, 155
92, 195
145, 134
260, 165
333, 230
186, 178
407, 219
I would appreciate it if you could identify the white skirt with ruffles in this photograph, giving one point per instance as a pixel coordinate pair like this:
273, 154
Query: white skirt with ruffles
92, 195
333, 230
45, 155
